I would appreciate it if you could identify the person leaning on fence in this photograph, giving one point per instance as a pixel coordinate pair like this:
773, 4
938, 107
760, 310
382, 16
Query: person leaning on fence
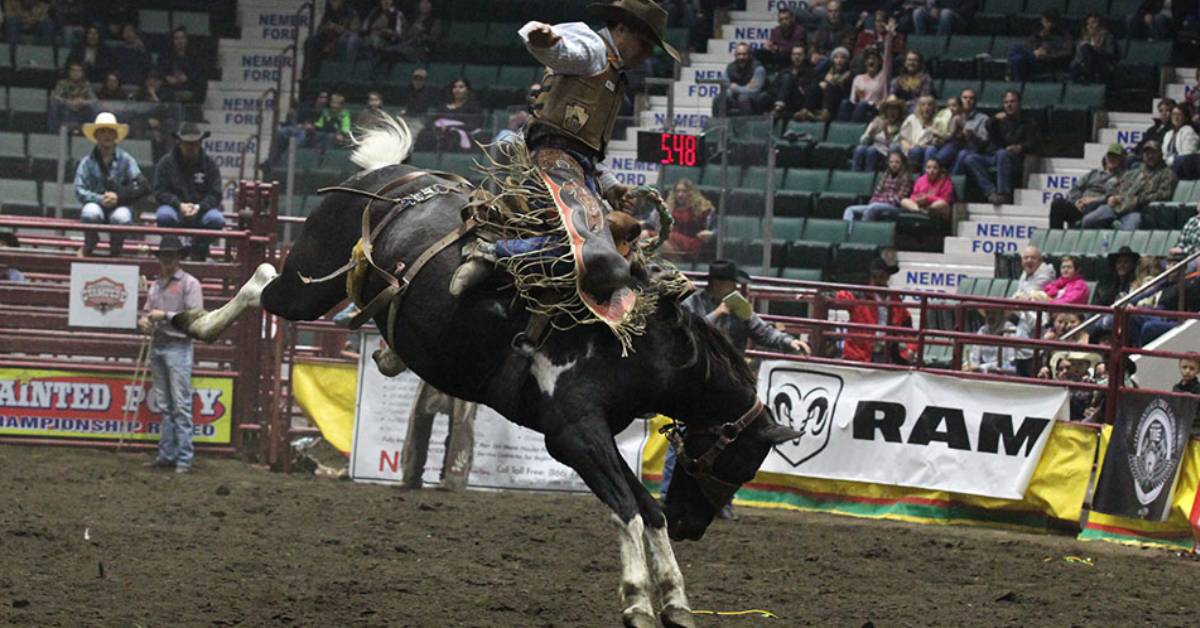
107, 181
174, 292
187, 183
1189, 366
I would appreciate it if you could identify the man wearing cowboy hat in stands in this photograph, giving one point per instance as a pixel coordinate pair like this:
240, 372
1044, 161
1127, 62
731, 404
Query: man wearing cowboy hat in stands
107, 181
187, 184
174, 292
582, 93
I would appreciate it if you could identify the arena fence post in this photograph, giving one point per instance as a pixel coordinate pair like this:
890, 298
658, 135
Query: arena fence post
60, 169
1116, 364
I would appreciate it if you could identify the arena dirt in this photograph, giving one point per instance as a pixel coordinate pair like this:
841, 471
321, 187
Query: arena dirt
90, 538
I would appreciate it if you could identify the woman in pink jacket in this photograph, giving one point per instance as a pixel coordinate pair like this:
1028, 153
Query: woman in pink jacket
933, 193
1070, 286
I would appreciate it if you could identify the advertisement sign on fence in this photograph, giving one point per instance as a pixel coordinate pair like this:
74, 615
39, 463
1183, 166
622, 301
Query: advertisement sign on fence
507, 455
103, 295
78, 404
909, 428
1141, 464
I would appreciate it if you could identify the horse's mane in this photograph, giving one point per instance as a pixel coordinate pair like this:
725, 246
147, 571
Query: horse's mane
710, 345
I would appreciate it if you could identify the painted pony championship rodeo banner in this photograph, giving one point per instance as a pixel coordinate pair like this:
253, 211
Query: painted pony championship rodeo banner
507, 456
71, 404
1141, 464
909, 428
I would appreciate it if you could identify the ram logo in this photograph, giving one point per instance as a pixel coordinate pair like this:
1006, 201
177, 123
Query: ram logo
805, 401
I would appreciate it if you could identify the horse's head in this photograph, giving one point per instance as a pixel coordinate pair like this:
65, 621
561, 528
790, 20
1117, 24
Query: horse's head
728, 431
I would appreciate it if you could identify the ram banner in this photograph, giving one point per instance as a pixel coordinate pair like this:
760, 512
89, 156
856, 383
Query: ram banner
909, 428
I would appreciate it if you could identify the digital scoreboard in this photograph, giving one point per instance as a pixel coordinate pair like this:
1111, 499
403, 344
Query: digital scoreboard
671, 149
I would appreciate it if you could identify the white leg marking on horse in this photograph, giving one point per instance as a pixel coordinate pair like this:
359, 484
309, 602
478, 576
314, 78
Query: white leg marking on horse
547, 373
664, 570
635, 578
209, 326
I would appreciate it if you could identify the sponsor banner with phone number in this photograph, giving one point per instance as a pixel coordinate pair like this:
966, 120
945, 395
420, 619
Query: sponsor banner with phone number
909, 428
81, 404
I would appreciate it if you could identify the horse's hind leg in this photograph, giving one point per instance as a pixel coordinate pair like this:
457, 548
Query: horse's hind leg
588, 448
660, 558
207, 326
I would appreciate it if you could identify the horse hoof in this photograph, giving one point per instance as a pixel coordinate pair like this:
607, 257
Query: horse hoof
389, 362
676, 617
635, 618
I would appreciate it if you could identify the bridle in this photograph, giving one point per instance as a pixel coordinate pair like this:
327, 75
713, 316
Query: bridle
717, 491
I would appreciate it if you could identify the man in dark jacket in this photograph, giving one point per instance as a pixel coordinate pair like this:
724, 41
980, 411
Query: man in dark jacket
1090, 191
784, 37
1011, 136
834, 32
187, 184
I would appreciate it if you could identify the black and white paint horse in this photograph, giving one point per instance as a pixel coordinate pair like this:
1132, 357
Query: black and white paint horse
579, 391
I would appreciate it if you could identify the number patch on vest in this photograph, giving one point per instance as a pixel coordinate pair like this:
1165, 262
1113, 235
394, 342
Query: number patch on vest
575, 118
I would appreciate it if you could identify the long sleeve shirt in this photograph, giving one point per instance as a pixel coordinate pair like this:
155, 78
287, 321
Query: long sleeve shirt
176, 181
1098, 183
580, 51
784, 41
180, 292
915, 132
1189, 240
739, 331
942, 190
1009, 130
1178, 142
1067, 290
892, 189
743, 80
991, 358
1144, 185
975, 131
93, 177
1028, 284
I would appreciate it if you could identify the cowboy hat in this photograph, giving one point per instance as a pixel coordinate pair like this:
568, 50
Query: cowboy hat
170, 244
105, 120
892, 101
645, 16
726, 270
1124, 251
189, 132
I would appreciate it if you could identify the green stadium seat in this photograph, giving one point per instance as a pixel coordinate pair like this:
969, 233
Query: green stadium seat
1038, 238
1139, 241
441, 74
741, 228
154, 22
786, 229
807, 180
1165, 214
1052, 244
1081, 8
44, 146
21, 194
1069, 242
845, 188
825, 231
307, 159
517, 77
1146, 53
955, 87
800, 274
966, 285
462, 164
12, 145
814, 129
711, 176
195, 23
993, 92
481, 76
1087, 243
793, 203
28, 99
503, 34
673, 174
993, 18
876, 234
930, 46
840, 140
1041, 95
335, 71
35, 58
755, 177
50, 196
467, 31
1090, 96
424, 160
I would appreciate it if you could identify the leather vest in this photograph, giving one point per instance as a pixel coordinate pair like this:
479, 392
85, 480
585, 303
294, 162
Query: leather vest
581, 108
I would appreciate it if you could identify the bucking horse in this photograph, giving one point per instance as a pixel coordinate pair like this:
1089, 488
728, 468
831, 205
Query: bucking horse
578, 387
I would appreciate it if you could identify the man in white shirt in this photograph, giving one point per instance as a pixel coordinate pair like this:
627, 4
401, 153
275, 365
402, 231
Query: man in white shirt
573, 118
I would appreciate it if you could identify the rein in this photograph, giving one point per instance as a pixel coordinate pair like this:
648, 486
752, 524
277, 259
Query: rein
718, 492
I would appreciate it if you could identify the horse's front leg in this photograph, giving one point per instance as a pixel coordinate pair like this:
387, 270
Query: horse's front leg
660, 558
588, 448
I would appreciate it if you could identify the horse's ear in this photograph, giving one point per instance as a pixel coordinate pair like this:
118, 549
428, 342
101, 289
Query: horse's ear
777, 433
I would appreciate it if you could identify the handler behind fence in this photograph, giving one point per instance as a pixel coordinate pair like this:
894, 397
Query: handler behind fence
175, 291
460, 442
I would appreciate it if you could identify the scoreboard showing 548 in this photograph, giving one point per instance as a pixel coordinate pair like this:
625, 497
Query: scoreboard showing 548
671, 149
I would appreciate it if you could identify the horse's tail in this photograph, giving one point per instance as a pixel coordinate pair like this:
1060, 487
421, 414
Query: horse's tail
388, 141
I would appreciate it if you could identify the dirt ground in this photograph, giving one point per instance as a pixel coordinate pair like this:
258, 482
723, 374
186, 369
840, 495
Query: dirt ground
90, 538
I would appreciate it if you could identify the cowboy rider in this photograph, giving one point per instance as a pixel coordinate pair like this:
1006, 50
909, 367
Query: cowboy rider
576, 110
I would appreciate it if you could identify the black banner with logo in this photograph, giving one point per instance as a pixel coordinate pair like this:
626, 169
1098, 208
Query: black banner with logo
1142, 461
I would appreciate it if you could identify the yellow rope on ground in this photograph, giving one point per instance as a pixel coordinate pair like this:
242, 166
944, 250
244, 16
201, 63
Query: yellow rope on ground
753, 611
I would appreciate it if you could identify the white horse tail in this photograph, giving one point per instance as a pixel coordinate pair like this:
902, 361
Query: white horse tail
388, 141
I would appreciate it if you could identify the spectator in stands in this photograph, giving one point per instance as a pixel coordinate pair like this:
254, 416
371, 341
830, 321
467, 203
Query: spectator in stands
946, 16
332, 127
1189, 366
879, 33
72, 102
867, 90
1089, 191
798, 95
419, 98
454, 121
92, 54
130, 57
460, 100
895, 185
1162, 123
115, 14
833, 33
947, 132
382, 30
693, 215
1035, 273
1189, 237
107, 181
301, 128
171, 356
746, 94
881, 137
182, 69
70, 17
787, 35
187, 184
422, 34
1047, 51
151, 90
859, 349
1180, 143
933, 193
1063, 323
372, 112
1011, 137
1070, 287
974, 137
1095, 54
916, 133
28, 17
336, 37
9, 239
1119, 281
835, 86
993, 358
110, 89
913, 81
1151, 20
1152, 181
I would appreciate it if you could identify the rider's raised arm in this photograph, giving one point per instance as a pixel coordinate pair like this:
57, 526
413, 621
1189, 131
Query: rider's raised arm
580, 51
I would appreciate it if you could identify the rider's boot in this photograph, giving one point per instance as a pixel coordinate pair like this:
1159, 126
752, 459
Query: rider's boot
479, 258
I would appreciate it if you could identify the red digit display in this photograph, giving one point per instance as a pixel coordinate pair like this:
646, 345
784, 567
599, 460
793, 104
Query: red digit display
670, 149
667, 157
